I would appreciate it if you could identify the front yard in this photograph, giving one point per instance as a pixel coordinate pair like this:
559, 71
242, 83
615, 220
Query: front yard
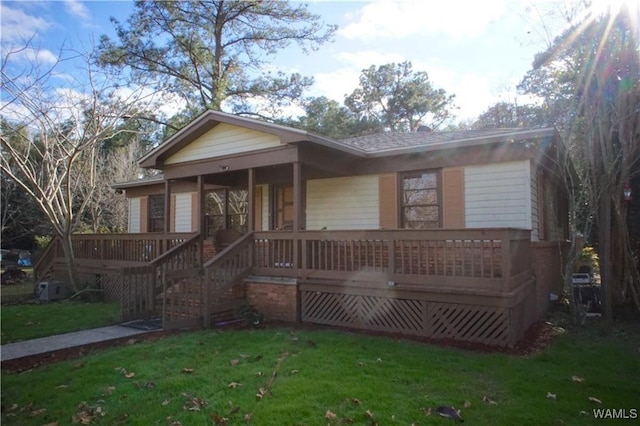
30, 321
277, 376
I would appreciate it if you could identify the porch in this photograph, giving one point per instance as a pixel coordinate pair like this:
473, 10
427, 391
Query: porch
472, 285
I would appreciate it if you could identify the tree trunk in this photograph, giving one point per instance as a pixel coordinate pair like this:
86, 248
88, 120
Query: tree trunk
604, 240
70, 260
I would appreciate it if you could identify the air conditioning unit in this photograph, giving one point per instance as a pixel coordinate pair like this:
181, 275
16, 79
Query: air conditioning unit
51, 290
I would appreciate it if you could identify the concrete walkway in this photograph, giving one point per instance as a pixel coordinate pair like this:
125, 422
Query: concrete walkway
65, 341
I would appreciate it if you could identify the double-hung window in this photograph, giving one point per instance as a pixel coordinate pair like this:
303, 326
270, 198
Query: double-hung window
420, 200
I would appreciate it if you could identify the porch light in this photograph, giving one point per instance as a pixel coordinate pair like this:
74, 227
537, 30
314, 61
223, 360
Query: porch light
626, 193
224, 168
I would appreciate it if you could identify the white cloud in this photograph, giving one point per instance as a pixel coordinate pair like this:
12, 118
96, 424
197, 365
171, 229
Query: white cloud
77, 9
18, 26
364, 59
33, 56
399, 19
335, 85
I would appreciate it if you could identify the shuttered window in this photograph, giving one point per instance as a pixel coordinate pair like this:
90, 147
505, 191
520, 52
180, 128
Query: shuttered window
156, 213
420, 200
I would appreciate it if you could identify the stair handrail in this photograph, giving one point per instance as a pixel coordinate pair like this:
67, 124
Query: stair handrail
216, 280
48, 256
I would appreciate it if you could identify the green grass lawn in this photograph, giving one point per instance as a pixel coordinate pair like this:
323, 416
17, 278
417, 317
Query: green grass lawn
316, 377
30, 321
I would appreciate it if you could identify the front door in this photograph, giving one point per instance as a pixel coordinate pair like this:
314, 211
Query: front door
282, 205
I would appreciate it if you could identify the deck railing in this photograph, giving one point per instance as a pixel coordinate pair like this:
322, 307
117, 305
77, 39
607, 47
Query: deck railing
491, 259
142, 247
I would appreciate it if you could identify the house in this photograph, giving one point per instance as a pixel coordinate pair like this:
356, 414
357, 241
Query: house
444, 235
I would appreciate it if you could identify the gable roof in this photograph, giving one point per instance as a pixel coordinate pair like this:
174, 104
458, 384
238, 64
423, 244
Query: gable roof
375, 145
209, 119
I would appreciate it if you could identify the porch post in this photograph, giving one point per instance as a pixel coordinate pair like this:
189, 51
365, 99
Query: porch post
297, 196
201, 217
297, 212
251, 208
167, 215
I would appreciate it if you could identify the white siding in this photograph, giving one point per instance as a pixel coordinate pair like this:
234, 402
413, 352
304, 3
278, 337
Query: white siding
183, 212
224, 139
343, 203
133, 224
498, 195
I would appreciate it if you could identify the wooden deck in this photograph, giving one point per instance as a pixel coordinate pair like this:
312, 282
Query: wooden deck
472, 284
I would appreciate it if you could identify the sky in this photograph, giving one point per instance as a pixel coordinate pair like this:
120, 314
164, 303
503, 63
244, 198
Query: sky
477, 50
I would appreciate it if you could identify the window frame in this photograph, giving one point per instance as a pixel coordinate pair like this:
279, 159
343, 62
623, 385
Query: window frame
401, 196
153, 221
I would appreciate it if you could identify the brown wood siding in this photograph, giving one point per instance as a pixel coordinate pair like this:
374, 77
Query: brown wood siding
172, 227
144, 214
257, 212
195, 211
388, 201
453, 198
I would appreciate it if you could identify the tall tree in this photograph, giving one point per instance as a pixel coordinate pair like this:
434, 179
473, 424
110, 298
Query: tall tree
327, 117
506, 114
593, 71
55, 161
215, 53
399, 98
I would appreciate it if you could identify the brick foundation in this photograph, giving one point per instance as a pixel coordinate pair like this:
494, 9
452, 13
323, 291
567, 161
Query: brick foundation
208, 250
275, 298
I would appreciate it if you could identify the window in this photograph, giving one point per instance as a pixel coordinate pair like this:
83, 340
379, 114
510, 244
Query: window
226, 209
420, 201
156, 213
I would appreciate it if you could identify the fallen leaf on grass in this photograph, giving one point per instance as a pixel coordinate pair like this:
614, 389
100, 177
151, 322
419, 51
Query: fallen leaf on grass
219, 420
467, 404
129, 375
51, 424
36, 413
427, 411
172, 422
187, 370
13, 407
294, 371
234, 362
234, 385
551, 395
29, 323
489, 401
166, 402
194, 404
329, 415
247, 417
244, 356
62, 387
259, 373
577, 379
369, 414
109, 390
361, 364
595, 400
355, 401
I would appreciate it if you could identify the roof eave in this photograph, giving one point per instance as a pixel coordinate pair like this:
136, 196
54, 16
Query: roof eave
462, 143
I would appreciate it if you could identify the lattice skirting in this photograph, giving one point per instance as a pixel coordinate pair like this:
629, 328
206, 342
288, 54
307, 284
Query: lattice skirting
471, 323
